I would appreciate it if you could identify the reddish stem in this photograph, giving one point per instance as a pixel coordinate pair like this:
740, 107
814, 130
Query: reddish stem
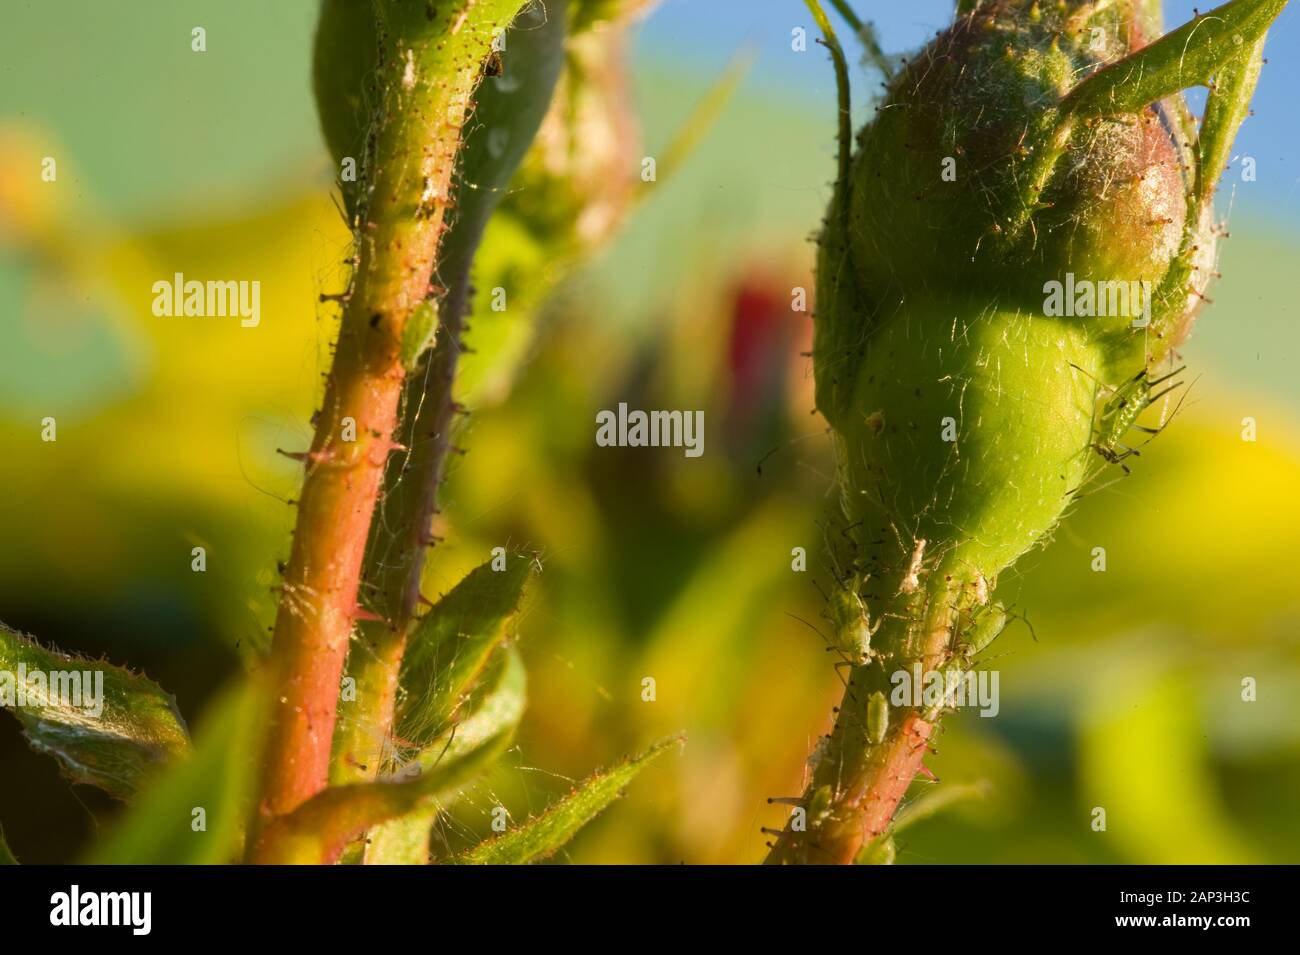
428, 70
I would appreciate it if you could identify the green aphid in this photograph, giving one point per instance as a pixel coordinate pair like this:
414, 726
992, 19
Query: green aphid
1119, 415
851, 628
877, 717
819, 805
419, 333
983, 629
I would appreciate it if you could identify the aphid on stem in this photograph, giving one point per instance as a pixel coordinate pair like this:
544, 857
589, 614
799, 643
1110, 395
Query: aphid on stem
851, 626
877, 717
982, 630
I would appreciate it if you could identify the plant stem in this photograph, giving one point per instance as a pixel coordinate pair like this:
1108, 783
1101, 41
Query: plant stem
851, 18
400, 539
869, 781
428, 70
844, 136
864, 781
401, 543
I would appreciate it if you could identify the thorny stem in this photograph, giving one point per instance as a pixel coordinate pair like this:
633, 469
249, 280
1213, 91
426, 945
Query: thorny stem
401, 538
867, 781
403, 543
864, 781
430, 64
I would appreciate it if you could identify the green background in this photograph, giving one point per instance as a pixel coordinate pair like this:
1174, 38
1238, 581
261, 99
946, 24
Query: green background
1126, 695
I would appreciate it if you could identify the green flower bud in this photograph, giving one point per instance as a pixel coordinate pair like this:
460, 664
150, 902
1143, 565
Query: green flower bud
1031, 152
954, 160
1034, 148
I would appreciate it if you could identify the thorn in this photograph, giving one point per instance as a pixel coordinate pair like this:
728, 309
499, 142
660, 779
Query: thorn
785, 800
928, 773
306, 457
335, 296
361, 613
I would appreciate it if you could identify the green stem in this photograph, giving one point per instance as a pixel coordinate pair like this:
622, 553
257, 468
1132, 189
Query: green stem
831, 42
852, 19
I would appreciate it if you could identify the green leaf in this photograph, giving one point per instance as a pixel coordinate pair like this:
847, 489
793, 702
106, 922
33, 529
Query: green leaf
934, 801
879, 851
882, 851
106, 726
480, 738
508, 111
318, 831
1189, 56
1227, 105
546, 834
6, 857
450, 646
162, 827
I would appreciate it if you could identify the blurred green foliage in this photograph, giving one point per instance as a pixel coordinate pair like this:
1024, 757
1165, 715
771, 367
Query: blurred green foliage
1126, 693
195, 814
